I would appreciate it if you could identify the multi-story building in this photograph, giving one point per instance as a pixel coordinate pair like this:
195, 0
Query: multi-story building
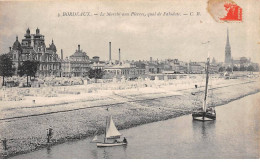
196, 68
140, 68
178, 66
65, 67
213, 68
33, 48
96, 63
79, 63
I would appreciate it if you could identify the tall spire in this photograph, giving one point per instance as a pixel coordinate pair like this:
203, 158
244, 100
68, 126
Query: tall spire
227, 50
28, 31
37, 31
227, 37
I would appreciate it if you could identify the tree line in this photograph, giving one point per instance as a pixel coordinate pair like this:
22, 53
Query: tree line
241, 68
7, 69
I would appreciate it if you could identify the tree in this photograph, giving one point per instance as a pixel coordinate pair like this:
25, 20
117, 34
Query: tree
242, 68
6, 66
95, 73
229, 69
235, 68
250, 68
221, 69
28, 68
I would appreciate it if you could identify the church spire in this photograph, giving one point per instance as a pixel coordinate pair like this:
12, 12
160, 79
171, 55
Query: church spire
227, 37
227, 50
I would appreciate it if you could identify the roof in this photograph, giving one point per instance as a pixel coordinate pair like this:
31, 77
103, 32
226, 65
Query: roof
118, 66
79, 54
52, 47
17, 45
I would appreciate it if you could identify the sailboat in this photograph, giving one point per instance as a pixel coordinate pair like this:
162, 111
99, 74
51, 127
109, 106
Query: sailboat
205, 113
111, 135
95, 139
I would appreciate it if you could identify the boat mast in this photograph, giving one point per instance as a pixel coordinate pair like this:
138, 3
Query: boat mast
105, 131
206, 87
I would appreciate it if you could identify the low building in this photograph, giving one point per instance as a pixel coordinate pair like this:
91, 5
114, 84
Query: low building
128, 70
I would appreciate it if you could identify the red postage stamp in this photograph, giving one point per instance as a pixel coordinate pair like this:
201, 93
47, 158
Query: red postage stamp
225, 11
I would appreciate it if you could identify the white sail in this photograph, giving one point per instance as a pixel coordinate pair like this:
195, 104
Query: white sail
206, 86
95, 139
204, 105
111, 131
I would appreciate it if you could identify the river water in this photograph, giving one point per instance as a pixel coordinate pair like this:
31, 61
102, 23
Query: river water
233, 135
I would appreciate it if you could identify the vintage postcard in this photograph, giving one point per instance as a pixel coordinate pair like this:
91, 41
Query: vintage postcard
121, 79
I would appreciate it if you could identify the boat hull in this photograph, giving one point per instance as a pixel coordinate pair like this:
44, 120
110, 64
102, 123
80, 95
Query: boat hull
94, 142
110, 144
203, 116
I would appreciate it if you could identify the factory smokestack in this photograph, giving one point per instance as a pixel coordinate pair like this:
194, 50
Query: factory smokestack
78, 47
61, 54
119, 56
109, 51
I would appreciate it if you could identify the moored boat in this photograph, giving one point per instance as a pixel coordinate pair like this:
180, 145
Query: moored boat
205, 113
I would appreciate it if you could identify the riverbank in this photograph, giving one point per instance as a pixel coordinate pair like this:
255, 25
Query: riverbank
25, 127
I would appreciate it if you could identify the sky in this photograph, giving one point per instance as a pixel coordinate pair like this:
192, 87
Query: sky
138, 37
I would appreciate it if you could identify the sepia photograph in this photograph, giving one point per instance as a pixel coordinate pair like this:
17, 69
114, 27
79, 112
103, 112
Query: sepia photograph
121, 79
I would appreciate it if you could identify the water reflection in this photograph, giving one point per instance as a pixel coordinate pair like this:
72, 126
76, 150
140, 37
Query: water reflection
125, 152
94, 154
49, 153
117, 151
105, 154
205, 129
204, 134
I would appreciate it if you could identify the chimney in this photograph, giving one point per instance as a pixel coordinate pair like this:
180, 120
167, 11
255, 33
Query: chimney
119, 56
151, 59
109, 51
61, 54
10, 48
78, 47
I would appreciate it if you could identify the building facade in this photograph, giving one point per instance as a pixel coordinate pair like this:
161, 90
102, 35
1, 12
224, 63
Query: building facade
79, 63
33, 47
65, 67
196, 68
128, 70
